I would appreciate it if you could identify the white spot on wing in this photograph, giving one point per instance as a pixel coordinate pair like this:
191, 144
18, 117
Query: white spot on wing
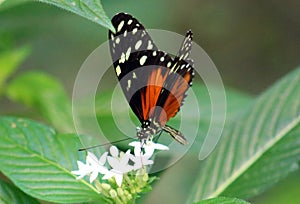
143, 60
138, 44
117, 40
128, 85
186, 55
122, 59
134, 75
169, 64
118, 70
154, 53
120, 26
162, 59
129, 22
128, 53
134, 31
150, 45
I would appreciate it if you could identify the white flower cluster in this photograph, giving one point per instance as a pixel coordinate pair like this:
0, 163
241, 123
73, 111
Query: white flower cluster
118, 161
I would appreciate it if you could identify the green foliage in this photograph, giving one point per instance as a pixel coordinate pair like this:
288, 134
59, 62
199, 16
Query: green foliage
257, 149
222, 200
39, 161
9, 62
90, 9
46, 95
4, 4
9, 194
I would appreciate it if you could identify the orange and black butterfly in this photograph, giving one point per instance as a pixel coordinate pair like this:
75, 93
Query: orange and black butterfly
154, 83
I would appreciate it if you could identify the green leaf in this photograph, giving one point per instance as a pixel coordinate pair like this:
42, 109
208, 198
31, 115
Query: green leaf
90, 9
4, 4
9, 194
223, 200
45, 94
10, 61
259, 148
39, 161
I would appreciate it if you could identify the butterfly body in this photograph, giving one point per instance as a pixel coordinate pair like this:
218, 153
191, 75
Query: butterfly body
154, 84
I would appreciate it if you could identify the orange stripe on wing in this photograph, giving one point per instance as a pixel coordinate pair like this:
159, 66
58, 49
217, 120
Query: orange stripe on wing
175, 98
152, 91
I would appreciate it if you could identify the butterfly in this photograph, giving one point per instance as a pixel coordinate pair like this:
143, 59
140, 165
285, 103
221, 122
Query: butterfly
154, 83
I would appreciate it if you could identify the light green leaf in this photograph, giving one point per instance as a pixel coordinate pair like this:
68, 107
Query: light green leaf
40, 162
9, 194
223, 200
10, 61
45, 94
259, 148
90, 9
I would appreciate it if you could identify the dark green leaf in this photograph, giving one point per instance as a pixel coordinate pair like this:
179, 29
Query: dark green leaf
9, 194
40, 162
223, 200
45, 94
90, 9
259, 148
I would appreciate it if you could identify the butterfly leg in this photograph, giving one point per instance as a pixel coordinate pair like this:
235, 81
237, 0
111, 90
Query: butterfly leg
158, 136
178, 136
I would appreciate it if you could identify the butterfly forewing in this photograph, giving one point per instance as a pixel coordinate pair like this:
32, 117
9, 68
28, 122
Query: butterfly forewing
132, 49
154, 84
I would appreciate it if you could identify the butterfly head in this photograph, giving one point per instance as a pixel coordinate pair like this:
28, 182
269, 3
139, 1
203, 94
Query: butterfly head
147, 130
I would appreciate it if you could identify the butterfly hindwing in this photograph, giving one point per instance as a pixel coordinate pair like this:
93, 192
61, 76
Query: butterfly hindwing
177, 82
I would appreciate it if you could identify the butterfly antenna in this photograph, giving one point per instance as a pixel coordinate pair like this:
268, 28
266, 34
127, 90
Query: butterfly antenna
100, 145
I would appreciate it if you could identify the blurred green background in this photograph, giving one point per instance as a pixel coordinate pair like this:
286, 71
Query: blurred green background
252, 43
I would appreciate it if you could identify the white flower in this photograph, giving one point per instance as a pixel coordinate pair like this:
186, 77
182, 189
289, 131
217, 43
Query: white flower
118, 161
141, 159
83, 170
149, 147
119, 164
96, 165
92, 167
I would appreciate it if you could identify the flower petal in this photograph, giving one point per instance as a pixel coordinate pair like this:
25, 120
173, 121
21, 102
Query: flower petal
108, 175
135, 144
93, 176
149, 150
114, 151
119, 179
160, 146
102, 159
113, 162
